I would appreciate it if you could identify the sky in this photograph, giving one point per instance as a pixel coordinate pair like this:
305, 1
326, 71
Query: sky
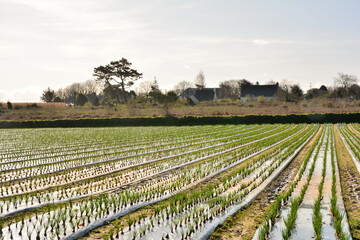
53, 43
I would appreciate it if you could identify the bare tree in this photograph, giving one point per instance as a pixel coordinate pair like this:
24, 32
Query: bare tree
61, 94
182, 86
200, 79
230, 89
345, 80
285, 85
72, 90
90, 86
145, 88
284, 90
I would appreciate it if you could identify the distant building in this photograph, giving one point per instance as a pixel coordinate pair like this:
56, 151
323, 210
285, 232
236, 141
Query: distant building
252, 92
70, 101
201, 94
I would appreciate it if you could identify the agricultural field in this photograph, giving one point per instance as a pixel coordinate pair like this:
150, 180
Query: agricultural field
275, 181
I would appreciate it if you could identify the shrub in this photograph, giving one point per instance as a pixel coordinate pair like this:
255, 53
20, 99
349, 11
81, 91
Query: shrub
9, 105
261, 99
81, 99
31, 106
87, 104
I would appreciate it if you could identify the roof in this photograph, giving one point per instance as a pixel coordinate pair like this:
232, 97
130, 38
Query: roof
201, 94
206, 94
259, 90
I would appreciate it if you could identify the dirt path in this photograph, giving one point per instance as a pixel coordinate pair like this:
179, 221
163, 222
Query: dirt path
245, 222
350, 184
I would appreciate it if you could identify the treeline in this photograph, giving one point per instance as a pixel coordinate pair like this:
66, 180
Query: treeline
345, 86
186, 121
113, 81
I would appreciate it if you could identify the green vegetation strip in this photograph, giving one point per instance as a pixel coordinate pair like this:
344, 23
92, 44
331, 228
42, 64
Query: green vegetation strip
188, 120
338, 217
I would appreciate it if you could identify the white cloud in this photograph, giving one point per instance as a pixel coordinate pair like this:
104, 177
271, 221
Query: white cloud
261, 42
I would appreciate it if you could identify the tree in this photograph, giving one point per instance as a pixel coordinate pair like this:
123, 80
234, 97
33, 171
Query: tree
317, 92
271, 82
171, 96
181, 86
89, 87
81, 99
245, 82
155, 93
145, 88
168, 100
230, 89
285, 86
296, 91
354, 91
118, 74
72, 90
48, 95
323, 88
57, 99
345, 80
60, 93
200, 80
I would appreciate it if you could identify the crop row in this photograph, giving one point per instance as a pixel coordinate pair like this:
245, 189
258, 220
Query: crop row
302, 197
52, 222
218, 198
108, 182
129, 175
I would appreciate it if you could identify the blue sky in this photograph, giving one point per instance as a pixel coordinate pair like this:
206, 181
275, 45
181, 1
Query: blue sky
55, 43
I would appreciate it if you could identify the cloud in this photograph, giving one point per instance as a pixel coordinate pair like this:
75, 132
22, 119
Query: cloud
261, 42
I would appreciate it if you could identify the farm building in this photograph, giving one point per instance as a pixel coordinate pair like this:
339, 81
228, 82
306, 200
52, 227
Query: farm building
252, 92
201, 94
